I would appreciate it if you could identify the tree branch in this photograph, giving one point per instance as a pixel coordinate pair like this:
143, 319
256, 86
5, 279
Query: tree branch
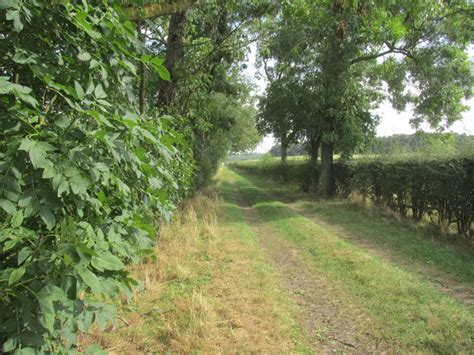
155, 10
391, 49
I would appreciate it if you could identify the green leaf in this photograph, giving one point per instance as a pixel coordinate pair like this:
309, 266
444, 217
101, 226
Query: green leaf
163, 72
16, 275
14, 15
157, 61
99, 92
10, 345
89, 278
17, 219
48, 218
37, 151
47, 308
7, 206
79, 91
23, 255
23, 58
78, 185
24, 201
84, 56
107, 261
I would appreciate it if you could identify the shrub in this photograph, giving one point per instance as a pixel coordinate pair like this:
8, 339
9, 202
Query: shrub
83, 176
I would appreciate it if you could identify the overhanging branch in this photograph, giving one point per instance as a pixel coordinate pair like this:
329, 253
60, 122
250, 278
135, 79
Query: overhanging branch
391, 49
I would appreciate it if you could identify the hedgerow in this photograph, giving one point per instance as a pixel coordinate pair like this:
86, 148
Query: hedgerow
83, 176
440, 189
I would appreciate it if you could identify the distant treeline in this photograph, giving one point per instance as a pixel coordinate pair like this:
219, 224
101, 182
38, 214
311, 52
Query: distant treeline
448, 143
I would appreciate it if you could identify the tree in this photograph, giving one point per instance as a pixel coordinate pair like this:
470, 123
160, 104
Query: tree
203, 48
350, 48
280, 114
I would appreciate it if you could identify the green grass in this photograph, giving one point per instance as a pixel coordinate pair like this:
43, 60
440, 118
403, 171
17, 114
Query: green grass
405, 239
407, 312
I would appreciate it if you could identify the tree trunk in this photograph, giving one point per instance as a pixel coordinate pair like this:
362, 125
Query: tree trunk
326, 179
174, 53
284, 151
315, 143
314, 150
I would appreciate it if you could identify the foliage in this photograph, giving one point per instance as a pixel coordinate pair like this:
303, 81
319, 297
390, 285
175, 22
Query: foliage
83, 176
223, 124
355, 53
209, 92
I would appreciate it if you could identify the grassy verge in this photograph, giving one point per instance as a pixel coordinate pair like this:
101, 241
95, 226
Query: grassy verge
406, 312
209, 290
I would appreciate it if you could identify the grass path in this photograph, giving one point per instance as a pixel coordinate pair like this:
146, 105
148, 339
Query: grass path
209, 289
260, 269
446, 263
404, 311
327, 324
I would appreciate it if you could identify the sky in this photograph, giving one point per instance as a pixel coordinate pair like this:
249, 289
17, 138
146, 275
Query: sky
391, 121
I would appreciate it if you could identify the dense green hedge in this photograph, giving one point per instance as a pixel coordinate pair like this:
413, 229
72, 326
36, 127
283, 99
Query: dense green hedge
83, 176
441, 189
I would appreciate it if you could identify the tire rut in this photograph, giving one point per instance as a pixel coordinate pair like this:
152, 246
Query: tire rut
330, 323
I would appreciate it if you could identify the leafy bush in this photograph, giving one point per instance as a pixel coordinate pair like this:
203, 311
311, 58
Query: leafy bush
438, 188
83, 176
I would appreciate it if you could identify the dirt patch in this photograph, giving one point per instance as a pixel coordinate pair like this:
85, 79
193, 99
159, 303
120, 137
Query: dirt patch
330, 322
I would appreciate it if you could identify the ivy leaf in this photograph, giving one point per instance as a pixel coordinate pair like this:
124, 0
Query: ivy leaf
16, 275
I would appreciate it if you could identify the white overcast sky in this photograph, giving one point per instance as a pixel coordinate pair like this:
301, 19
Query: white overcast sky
391, 121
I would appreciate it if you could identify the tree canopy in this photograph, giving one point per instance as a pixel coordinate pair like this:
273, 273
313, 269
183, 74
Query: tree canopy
355, 53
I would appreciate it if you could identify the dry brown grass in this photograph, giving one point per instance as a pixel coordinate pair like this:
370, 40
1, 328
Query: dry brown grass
209, 290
